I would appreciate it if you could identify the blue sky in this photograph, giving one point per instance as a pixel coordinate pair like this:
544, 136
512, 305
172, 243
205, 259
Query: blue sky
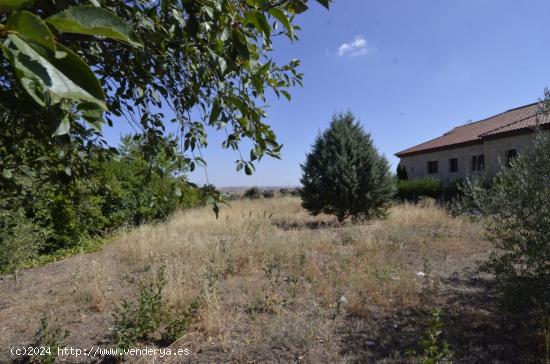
410, 70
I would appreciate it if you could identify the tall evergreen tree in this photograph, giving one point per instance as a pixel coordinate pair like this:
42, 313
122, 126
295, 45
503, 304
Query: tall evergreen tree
344, 175
401, 172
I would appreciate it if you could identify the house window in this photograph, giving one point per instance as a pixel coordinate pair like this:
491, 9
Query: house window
432, 167
510, 155
453, 165
478, 163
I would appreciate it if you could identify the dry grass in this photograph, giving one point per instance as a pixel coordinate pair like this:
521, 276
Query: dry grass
269, 276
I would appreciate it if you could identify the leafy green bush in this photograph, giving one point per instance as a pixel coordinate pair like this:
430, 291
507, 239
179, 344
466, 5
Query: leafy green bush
134, 321
515, 210
344, 175
253, 193
149, 315
268, 194
50, 338
20, 239
423, 187
435, 349
64, 211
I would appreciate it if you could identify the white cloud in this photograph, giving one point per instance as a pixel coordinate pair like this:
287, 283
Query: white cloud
358, 47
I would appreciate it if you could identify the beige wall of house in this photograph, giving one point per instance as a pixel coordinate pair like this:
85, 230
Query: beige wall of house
493, 150
417, 164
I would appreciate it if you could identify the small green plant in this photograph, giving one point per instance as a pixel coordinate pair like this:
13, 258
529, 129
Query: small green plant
269, 298
429, 282
149, 315
179, 323
49, 337
272, 270
134, 321
435, 349
294, 285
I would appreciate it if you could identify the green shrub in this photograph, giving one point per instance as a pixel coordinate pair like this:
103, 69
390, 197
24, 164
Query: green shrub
150, 315
253, 193
515, 210
134, 321
20, 239
50, 338
268, 194
435, 349
63, 208
423, 187
284, 191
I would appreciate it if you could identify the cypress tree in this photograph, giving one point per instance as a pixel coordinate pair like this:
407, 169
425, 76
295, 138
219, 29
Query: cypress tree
344, 175
401, 172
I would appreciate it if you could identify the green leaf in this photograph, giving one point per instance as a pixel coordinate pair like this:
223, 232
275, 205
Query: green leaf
238, 103
297, 6
94, 21
280, 16
31, 29
12, 4
241, 45
215, 112
90, 110
92, 114
266, 29
258, 21
286, 94
325, 3
209, 11
220, 61
63, 127
63, 78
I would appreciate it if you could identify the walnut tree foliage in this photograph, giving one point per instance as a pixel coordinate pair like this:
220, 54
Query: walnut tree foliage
69, 66
344, 175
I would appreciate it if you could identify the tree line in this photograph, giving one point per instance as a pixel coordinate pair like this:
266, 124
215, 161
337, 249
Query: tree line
63, 214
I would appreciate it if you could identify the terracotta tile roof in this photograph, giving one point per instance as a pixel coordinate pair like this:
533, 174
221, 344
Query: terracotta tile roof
509, 121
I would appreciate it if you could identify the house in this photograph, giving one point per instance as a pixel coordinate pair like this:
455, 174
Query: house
480, 147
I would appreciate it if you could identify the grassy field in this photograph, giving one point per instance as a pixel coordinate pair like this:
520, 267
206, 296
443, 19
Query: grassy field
267, 282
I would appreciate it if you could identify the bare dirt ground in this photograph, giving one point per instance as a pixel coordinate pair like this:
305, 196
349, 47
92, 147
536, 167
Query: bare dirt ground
277, 285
